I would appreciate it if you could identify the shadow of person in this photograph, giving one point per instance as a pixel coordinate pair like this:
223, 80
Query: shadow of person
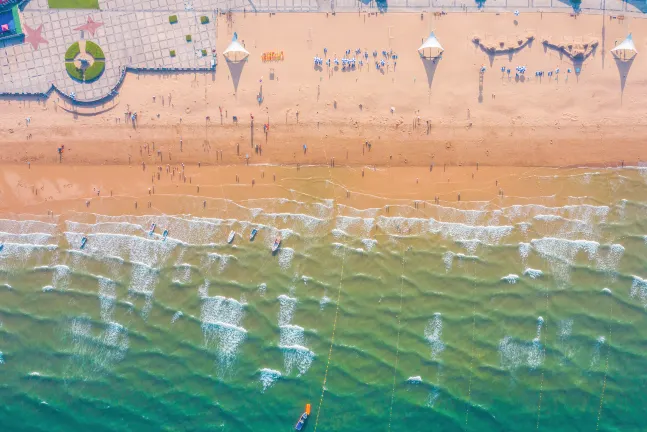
236, 70
623, 70
430, 65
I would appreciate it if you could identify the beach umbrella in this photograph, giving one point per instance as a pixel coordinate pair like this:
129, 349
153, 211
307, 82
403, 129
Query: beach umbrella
235, 52
430, 48
626, 49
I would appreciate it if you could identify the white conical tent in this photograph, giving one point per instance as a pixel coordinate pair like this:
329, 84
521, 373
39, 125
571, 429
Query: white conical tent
431, 47
235, 52
625, 49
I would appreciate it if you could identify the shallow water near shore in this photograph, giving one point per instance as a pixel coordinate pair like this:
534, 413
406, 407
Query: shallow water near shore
519, 314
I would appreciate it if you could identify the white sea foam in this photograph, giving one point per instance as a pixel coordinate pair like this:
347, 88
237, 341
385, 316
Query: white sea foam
565, 329
286, 255
295, 354
533, 273
92, 353
1, 358
48, 288
414, 379
448, 259
287, 305
369, 244
15, 255
323, 302
176, 316
292, 338
561, 253
182, 274
107, 298
433, 334
433, 397
606, 291
262, 288
268, 377
40, 239
221, 327
221, 259
524, 251
639, 289
595, 356
146, 250
511, 278
514, 354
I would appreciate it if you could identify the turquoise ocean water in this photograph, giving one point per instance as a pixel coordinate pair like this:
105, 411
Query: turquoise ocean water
519, 315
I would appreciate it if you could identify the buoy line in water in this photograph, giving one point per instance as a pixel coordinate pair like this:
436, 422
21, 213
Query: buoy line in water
332, 341
541, 382
606, 370
469, 385
397, 343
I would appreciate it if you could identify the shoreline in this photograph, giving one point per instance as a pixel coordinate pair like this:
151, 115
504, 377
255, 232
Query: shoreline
207, 190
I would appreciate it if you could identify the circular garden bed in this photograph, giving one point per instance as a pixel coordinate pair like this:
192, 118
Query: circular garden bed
85, 64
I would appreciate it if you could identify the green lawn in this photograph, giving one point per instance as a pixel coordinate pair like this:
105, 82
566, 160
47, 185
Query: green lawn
73, 4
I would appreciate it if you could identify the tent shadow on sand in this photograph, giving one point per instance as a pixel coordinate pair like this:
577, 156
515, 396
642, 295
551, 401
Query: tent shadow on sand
430, 65
623, 70
235, 70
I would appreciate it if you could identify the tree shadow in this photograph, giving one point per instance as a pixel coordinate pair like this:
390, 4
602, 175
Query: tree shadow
623, 70
430, 65
235, 70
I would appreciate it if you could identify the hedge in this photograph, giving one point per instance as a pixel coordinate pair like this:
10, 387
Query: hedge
172, 53
172, 19
74, 72
204, 53
94, 71
204, 20
188, 38
72, 51
94, 50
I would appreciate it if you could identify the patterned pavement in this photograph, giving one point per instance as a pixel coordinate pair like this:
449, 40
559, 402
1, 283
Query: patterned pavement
136, 34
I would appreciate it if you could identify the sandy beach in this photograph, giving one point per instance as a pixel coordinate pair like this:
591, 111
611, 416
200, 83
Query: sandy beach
442, 113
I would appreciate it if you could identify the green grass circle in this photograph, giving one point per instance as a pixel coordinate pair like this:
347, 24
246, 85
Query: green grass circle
94, 71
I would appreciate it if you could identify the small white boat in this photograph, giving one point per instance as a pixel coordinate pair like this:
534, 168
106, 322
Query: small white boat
276, 245
231, 237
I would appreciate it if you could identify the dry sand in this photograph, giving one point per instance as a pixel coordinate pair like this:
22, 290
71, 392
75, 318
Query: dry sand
585, 120
553, 122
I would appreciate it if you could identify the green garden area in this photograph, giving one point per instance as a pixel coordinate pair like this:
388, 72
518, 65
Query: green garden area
89, 71
73, 4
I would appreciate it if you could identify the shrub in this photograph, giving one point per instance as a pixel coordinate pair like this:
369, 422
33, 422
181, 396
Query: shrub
204, 20
94, 50
74, 72
172, 53
204, 53
188, 38
72, 51
94, 71
172, 19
